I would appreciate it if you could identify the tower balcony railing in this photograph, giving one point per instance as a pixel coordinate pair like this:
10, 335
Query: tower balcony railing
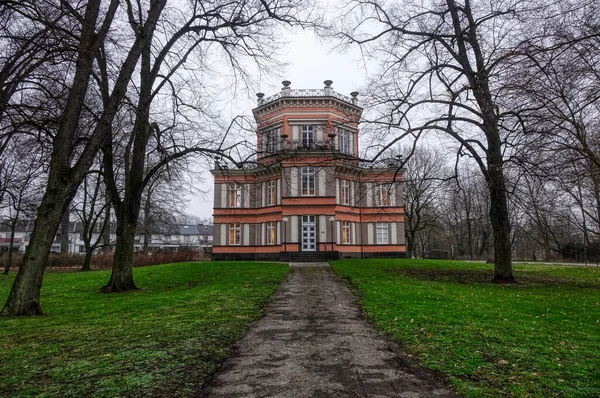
299, 145
295, 147
307, 93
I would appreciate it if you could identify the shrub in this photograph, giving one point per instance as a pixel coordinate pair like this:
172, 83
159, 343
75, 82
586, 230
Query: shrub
17, 258
105, 260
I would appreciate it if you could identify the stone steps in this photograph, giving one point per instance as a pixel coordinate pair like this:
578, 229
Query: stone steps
308, 257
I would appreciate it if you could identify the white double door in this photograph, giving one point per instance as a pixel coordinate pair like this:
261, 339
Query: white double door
309, 233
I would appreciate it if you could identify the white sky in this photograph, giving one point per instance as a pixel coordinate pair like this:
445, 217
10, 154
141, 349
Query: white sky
310, 63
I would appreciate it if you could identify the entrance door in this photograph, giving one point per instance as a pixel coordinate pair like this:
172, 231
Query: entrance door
309, 233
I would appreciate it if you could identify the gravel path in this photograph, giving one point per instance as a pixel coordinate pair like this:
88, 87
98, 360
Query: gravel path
314, 342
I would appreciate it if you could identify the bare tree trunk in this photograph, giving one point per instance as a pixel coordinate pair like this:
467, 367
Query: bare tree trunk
470, 236
121, 278
147, 234
410, 241
499, 219
64, 233
546, 246
87, 261
24, 297
107, 226
10, 249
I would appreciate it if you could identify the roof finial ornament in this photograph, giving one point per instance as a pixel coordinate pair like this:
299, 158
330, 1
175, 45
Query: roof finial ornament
286, 91
328, 89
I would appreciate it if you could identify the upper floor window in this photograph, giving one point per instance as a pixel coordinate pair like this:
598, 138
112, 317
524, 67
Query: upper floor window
235, 234
235, 195
271, 192
381, 195
382, 233
308, 136
345, 232
270, 233
345, 141
345, 192
308, 181
270, 141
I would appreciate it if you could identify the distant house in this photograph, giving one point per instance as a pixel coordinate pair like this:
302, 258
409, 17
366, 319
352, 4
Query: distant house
163, 237
177, 237
21, 236
205, 232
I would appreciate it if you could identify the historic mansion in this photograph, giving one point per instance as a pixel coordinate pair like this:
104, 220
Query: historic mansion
308, 196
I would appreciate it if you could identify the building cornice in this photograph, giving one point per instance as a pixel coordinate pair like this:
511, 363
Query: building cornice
307, 102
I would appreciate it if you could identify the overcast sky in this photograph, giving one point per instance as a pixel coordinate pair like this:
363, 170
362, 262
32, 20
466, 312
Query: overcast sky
310, 63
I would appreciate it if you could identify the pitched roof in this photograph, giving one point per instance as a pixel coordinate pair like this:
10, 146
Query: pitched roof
187, 229
205, 229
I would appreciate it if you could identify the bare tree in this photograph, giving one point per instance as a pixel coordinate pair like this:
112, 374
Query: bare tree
237, 31
93, 211
72, 154
423, 180
443, 69
465, 214
162, 202
21, 174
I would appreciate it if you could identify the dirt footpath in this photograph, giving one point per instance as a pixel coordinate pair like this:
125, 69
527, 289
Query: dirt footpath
314, 342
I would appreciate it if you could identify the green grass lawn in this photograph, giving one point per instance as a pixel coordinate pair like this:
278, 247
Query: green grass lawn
162, 340
538, 338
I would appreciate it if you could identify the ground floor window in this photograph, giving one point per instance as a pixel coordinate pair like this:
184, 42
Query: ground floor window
270, 233
235, 234
382, 233
345, 232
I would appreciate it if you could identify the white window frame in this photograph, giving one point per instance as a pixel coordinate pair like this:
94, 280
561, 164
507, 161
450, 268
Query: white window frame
271, 233
308, 135
382, 197
382, 232
345, 192
345, 232
271, 140
235, 195
309, 219
271, 192
344, 141
235, 232
307, 181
